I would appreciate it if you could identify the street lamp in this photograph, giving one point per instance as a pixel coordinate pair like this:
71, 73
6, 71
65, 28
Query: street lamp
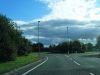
68, 40
38, 37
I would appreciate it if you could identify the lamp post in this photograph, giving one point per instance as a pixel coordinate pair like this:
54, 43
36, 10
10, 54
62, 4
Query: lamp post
68, 40
38, 37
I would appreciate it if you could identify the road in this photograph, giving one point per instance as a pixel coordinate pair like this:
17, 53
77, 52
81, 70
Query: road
62, 64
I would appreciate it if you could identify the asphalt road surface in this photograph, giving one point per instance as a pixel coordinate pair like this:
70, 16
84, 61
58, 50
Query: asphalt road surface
62, 64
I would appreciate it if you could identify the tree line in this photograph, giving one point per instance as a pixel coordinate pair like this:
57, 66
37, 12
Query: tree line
12, 43
74, 46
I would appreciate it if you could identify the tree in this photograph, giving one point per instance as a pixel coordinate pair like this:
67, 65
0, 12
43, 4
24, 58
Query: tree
37, 46
68, 47
7, 45
24, 47
12, 43
77, 46
89, 46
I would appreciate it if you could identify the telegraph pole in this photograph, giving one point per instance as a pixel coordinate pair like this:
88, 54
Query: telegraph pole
68, 40
81, 45
85, 42
86, 45
38, 38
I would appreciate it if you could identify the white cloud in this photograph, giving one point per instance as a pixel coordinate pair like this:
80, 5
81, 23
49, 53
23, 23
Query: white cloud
27, 28
93, 41
34, 37
69, 9
21, 22
72, 9
95, 14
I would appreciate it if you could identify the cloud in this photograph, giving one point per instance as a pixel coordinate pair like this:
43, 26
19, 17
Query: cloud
27, 28
20, 22
81, 16
93, 41
72, 9
55, 31
94, 14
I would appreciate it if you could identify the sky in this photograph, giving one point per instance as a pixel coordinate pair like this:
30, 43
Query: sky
24, 10
82, 17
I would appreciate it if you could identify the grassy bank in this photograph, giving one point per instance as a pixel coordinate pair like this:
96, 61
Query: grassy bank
97, 56
92, 54
20, 61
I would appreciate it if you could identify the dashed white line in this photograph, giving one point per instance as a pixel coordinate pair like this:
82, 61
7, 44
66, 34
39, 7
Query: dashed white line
91, 74
35, 67
76, 63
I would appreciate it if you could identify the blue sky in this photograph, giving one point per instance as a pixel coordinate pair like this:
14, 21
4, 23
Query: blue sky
98, 3
81, 16
25, 10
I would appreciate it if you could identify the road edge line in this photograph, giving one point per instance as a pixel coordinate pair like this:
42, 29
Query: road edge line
24, 66
35, 67
91, 73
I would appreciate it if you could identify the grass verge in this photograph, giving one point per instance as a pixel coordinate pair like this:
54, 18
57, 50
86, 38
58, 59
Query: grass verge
96, 56
19, 62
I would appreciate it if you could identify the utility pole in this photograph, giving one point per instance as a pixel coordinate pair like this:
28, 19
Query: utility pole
85, 42
81, 45
86, 45
68, 40
38, 38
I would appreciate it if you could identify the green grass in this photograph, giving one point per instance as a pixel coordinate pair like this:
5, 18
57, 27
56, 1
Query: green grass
97, 56
92, 54
20, 61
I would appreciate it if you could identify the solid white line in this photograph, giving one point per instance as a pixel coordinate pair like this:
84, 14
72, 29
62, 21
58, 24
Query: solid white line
35, 67
91, 73
76, 63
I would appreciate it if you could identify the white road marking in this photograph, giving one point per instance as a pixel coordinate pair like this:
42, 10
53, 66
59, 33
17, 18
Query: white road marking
69, 56
73, 61
76, 63
66, 55
35, 67
91, 74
